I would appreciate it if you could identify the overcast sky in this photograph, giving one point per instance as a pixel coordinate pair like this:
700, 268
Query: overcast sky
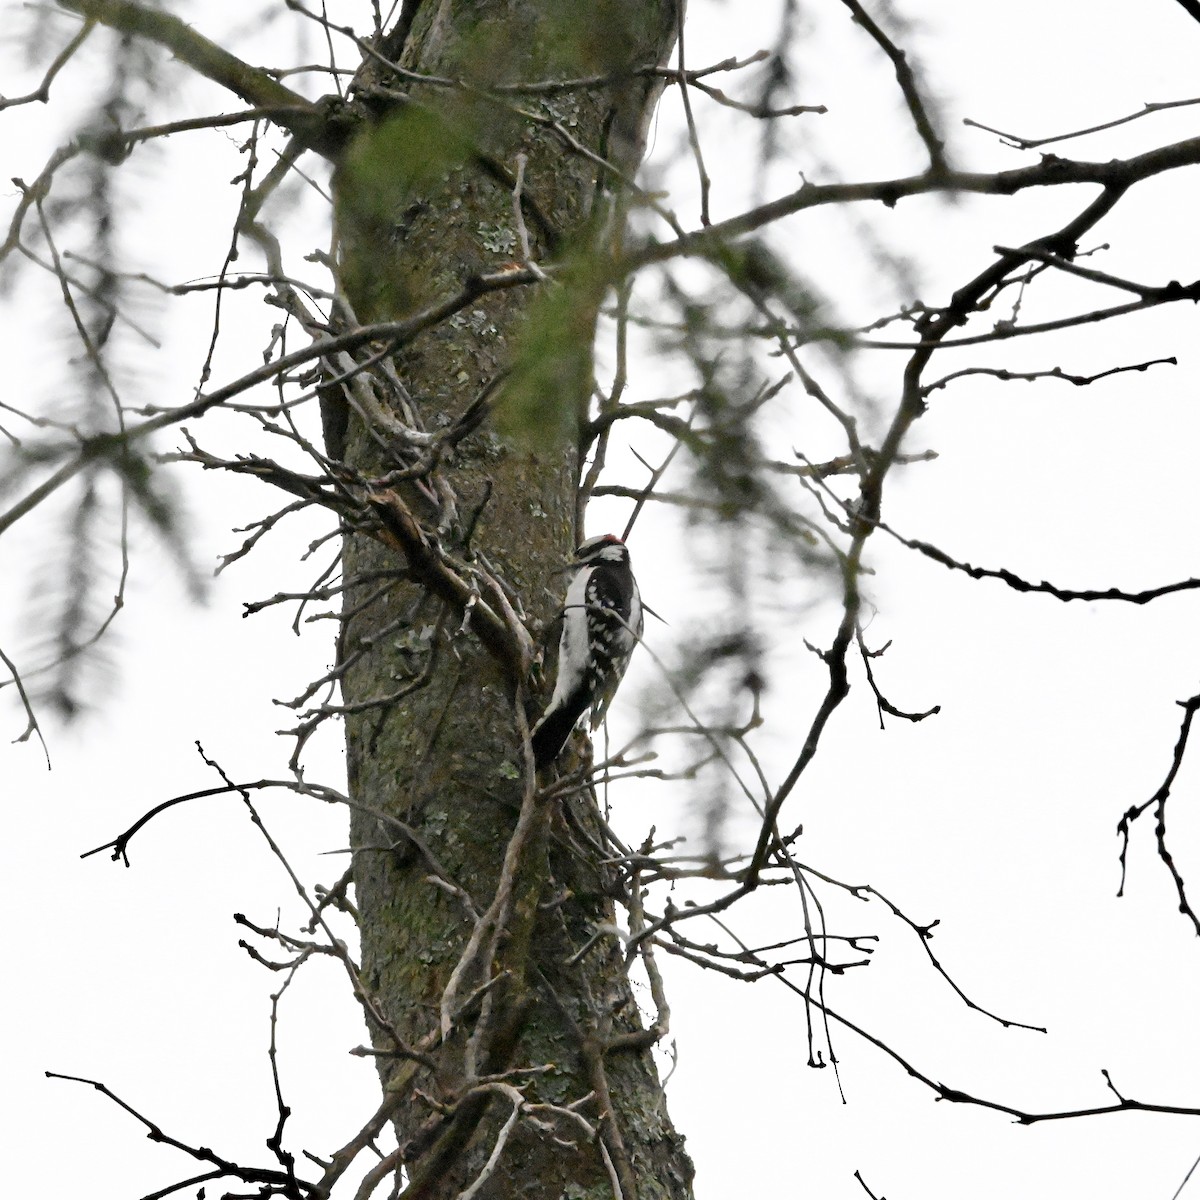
996, 817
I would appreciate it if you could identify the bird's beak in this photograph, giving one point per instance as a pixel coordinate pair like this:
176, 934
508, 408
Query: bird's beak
657, 616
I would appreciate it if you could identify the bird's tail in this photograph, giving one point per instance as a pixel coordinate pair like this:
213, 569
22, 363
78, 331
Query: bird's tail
550, 734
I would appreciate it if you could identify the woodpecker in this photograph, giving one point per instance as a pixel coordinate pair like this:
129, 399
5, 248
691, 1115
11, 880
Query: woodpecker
602, 622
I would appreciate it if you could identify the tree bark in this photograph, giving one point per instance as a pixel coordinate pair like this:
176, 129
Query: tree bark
425, 201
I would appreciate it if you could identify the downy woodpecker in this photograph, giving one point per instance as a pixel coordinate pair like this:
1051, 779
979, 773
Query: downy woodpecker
602, 622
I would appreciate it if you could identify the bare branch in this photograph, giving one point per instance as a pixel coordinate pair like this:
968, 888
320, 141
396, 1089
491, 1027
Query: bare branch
307, 121
225, 1168
1006, 376
1022, 143
1117, 175
42, 92
488, 611
392, 333
917, 104
32, 726
1018, 584
1159, 802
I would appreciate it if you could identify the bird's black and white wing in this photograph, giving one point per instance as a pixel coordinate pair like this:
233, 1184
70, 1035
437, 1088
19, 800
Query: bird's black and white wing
602, 622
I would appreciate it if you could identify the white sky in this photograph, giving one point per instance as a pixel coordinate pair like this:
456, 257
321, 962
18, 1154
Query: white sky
996, 817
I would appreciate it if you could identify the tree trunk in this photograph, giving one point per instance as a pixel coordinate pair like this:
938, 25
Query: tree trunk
425, 201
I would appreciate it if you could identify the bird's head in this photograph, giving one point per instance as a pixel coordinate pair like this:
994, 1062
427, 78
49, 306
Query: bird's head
605, 548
